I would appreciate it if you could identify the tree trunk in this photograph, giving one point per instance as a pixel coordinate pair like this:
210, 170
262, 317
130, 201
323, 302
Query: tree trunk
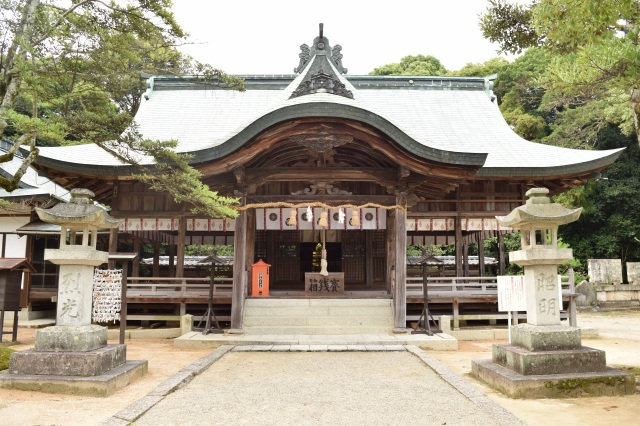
23, 32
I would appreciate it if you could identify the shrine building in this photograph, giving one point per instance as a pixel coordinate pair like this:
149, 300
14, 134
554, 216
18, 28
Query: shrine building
360, 166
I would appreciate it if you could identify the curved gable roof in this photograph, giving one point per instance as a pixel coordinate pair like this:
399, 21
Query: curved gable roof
450, 120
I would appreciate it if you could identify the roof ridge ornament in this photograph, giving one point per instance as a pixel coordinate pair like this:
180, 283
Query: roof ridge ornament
320, 46
321, 82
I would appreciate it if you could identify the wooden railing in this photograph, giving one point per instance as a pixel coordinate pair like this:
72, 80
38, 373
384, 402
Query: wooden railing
460, 290
174, 290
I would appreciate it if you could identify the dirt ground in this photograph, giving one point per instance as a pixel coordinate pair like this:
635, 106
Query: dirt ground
619, 336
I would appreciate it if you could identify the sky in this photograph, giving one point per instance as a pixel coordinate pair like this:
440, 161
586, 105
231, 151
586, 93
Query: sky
264, 37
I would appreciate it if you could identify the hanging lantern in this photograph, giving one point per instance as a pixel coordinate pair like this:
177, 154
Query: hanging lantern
355, 218
293, 217
341, 216
309, 214
323, 219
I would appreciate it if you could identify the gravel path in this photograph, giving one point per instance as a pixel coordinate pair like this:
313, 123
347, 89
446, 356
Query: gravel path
312, 388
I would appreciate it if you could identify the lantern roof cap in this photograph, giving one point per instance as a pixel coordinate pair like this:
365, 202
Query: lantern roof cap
539, 211
78, 212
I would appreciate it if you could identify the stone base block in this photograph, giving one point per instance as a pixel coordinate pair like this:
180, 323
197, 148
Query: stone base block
610, 382
92, 363
546, 337
102, 385
71, 338
527, 363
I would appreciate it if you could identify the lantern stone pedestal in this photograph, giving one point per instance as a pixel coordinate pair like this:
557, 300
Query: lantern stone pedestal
546, 358
73, 356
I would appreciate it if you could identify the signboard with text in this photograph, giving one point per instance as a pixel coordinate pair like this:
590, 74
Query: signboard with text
511, 293
316, 284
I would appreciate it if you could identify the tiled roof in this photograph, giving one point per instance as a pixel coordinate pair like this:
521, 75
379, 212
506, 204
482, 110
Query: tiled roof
32, 186
447, 119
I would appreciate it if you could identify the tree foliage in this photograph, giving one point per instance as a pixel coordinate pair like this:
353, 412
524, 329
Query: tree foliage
608, 226
70, 74
595, 46
413, 65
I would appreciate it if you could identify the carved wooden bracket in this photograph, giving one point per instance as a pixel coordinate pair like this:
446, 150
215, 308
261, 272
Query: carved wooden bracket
321, 188
322, 141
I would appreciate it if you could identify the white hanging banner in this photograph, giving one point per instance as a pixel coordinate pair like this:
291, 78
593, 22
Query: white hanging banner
273, 219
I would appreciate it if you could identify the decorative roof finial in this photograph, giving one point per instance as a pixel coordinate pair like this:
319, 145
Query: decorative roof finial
320, 46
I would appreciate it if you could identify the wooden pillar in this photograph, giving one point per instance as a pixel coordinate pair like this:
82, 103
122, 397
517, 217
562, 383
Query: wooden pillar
239, 292
481, 271
501, 261
182, 236
368, 259
135, 267
251, 245
172, 256
458, 230
465, 258
113, 246
398, 268
156, 259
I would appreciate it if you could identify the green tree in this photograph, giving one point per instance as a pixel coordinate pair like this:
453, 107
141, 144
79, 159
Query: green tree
608, 226
70, 73
413, 65
596, 45
483, 69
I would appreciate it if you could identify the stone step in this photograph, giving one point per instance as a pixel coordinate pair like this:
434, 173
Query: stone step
342, 320
271, 302
318, 316
315, 330
308, 311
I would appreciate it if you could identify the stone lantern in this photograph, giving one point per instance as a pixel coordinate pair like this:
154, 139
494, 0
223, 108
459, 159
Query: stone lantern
538, 222
545, 357
77, 261
73, 356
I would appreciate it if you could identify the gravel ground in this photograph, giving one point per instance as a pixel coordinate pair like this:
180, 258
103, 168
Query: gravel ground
311, 388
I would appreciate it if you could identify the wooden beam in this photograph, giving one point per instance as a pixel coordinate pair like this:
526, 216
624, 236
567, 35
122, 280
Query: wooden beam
330, 174
385, 200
